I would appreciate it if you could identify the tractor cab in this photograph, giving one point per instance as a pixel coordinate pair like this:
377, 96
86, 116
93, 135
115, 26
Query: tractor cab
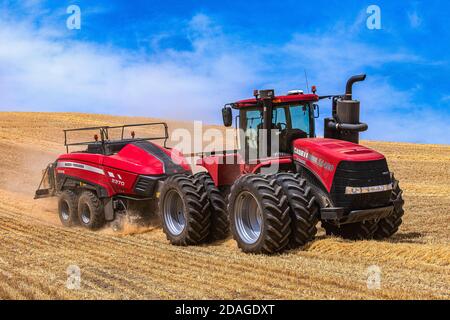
271, 123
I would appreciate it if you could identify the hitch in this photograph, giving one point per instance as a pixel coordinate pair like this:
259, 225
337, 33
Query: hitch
47, 187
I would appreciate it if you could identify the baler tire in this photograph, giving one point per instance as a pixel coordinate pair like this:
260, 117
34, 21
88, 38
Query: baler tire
183, 190
68, 208
388, 226
220, 224
272, 207
303, 208
96, 219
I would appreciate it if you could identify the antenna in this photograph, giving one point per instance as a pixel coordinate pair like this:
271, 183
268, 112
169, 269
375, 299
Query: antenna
307, 84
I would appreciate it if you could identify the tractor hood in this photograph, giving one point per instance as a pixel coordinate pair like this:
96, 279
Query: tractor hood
337, 150
322, 156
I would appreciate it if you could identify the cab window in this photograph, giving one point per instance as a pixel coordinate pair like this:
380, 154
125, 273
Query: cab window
279, 119
300, 118
254, 119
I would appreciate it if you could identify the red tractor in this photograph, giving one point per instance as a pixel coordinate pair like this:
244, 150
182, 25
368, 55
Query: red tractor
270, 194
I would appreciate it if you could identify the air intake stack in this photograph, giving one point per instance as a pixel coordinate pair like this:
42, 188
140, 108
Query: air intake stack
345, 125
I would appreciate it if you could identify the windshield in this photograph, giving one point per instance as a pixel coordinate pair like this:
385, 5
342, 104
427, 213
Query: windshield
296, 116
290, 120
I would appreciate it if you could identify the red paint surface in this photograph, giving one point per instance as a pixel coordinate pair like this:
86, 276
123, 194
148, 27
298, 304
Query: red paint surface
330, 151
279, 100
226, 169
333, 152
125, 167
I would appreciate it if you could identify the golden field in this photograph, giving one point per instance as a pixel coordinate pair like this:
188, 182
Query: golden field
35, 250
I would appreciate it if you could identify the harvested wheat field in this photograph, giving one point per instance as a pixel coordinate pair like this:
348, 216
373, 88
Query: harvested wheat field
35, 250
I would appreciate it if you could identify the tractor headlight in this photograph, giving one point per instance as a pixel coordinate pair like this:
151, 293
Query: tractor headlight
352, 190
371, 189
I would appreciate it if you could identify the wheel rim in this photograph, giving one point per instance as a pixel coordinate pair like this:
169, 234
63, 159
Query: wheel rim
174, 213
65, 211
85, 214
248, 217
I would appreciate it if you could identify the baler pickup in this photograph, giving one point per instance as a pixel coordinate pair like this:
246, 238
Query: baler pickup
46, 187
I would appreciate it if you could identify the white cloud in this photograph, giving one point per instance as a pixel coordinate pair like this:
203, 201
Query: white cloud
392, 114
41, 70
340, 57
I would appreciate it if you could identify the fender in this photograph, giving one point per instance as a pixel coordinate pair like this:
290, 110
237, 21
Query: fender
305, 167
270, 162
63, 181
315, 182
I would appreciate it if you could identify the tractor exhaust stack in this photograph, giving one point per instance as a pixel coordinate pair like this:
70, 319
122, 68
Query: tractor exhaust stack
345, 124
349, 86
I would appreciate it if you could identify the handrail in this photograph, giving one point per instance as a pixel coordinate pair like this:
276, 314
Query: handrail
104, 134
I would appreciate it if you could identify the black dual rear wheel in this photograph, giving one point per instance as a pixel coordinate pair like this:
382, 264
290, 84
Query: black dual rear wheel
184, 210
259, 214
220, 224
388, 226
266, 214
303, 208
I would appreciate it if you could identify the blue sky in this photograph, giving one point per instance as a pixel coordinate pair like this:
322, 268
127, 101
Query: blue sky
185, 59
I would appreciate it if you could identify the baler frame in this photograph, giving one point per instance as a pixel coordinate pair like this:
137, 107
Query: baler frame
104, 134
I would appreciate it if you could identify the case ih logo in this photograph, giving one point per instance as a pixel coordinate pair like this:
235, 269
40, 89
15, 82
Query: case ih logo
319, 162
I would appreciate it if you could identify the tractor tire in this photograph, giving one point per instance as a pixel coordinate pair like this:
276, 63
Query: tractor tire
220, 224
303, 209
388, 226
184, 210
353, 231
91, 213
259, 215
68, 208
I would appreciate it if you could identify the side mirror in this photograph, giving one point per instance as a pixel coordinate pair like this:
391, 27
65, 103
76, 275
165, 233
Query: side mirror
227, 116
316, 111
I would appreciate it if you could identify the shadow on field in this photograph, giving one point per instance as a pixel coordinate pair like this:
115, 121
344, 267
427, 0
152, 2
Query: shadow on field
407, 237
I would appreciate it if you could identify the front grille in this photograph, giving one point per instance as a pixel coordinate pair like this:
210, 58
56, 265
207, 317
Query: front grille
145, 185
142, 185
361, 174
